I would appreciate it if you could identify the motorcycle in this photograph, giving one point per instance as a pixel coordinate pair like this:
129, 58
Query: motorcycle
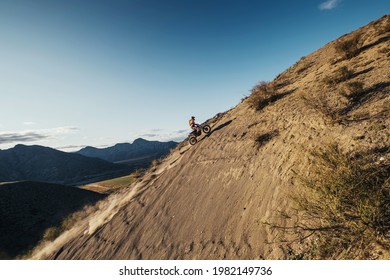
192, 137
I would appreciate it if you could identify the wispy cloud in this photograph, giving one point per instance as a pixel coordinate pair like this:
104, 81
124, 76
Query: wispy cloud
329, 5
71, 147
19, 137
149, 135
7, 137
75, 148
28, 123
164, 136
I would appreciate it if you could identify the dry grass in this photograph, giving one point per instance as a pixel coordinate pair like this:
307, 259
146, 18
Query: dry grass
262, 95
386, 27
321, 104
352, 90
332, 104
344, 206
386, 105
349, 48
340, 75
53, 232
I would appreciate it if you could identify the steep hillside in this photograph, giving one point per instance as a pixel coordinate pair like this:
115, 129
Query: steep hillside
37, 163
141, 151
219, 198
28, 209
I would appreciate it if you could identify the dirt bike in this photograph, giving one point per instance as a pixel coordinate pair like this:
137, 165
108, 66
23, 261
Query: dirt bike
192, 137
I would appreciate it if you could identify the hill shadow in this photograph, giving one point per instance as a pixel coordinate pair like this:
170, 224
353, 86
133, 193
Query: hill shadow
361, 97
365, 71
219, 127
31, 211
263, 139
274, 98
377, 42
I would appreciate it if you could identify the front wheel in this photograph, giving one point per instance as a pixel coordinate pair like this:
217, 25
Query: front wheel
192, 140
206, 129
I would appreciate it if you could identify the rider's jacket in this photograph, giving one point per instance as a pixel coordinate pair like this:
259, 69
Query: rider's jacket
191, 123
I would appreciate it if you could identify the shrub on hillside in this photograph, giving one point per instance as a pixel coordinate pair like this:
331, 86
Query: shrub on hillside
321, 104
261, 95
345, 205
352, 90
349, 47
53, 232
305, 66
340, 75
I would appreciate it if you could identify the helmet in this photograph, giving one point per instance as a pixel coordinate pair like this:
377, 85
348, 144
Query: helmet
192, 117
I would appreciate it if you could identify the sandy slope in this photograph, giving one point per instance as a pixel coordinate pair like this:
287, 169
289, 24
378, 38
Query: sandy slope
210, 201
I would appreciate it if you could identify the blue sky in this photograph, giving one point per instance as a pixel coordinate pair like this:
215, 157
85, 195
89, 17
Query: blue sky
76, 73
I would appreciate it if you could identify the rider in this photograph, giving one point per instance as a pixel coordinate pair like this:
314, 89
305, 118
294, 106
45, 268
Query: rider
193, 125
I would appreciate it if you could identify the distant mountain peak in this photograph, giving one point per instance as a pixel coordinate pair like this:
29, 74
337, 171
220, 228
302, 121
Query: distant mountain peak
18, 146
120, 145
22, 147
140, 140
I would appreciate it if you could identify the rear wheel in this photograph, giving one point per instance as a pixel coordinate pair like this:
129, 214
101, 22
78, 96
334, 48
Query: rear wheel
192, 140
206, 129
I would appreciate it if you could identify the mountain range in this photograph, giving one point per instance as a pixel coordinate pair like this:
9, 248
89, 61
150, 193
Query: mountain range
140, 150
38, 163
43, 164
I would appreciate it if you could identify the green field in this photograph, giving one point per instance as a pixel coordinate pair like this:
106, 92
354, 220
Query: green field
109, 186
